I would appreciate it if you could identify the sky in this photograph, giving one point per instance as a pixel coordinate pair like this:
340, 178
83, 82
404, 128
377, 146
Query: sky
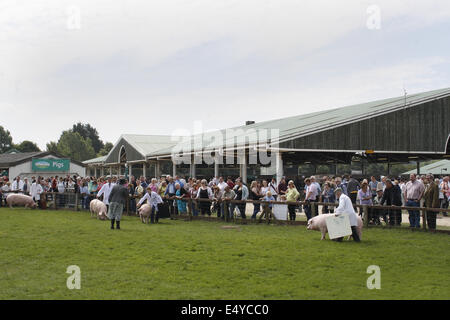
156, 67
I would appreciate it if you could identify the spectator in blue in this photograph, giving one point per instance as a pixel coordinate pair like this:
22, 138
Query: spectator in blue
179, 181
267, 207
373, 184
84, 191
313, 180
343, 187
144, 183
170, 193
328, 196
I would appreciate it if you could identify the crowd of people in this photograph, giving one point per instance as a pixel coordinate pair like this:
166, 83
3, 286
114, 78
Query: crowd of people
167, 195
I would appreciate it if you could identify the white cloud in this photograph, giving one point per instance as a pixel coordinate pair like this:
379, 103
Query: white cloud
262, 58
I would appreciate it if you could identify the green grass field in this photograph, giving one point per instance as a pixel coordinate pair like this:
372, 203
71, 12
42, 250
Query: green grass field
200, 260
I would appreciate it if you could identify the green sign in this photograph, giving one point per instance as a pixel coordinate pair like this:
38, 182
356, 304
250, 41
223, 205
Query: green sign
52, 165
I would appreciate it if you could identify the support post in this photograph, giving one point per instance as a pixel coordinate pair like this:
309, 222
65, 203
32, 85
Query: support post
130, 172
158, 169
144, 170
54, 200
95, 172
418, 167
279, 166
76, 202
174, 169
110, 171
243, 171
366, 215
313, 209
192, 167
216, 169
424, 219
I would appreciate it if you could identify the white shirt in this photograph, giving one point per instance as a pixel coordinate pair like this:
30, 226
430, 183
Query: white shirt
36, 190
15, 186
106, 191
273, 189
61, 187
312, 188
222, 185
152, 199
346, 206
5, 190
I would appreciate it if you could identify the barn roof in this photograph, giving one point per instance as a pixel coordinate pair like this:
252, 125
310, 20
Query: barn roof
307, 124
12, 159
98, 160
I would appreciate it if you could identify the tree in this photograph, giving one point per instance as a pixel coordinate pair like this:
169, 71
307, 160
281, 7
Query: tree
52, 146
106, 149
89, 132
73, 145
5, 140
27, 146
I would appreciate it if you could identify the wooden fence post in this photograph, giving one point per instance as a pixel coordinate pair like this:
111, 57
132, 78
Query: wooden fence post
54, 200
190, 209
76, 202
424, 218
366, 215
313, 209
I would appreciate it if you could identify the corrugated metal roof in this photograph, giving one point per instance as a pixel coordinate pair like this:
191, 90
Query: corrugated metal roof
95, 160
436, 168
147, 144
12, 159
303, 125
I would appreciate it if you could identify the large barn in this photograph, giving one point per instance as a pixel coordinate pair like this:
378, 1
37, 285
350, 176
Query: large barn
404, 129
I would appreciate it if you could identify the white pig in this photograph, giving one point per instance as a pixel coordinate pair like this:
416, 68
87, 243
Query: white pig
144, 212
98, 209
319, 223
20, 200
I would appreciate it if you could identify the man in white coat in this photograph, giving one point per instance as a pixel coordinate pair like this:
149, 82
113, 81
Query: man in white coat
35, 192
346, 207
106, 191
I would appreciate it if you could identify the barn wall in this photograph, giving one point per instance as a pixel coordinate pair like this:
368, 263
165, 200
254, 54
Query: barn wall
24, 170
132, 153
423, 128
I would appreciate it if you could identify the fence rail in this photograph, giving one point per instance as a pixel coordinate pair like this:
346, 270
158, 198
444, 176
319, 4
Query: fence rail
76, 201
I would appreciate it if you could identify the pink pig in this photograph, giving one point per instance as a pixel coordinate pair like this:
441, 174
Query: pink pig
98, 209
144, 212
319, 223
20, 200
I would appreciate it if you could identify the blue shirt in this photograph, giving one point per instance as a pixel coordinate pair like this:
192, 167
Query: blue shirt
170, 188
271, 198
84, 190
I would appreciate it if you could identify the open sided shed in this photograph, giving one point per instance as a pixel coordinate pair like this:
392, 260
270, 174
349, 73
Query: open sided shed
402, 129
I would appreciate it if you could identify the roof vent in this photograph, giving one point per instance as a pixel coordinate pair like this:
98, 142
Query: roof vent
247, 123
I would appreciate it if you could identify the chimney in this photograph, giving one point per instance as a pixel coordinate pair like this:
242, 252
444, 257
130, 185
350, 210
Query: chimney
247, 123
